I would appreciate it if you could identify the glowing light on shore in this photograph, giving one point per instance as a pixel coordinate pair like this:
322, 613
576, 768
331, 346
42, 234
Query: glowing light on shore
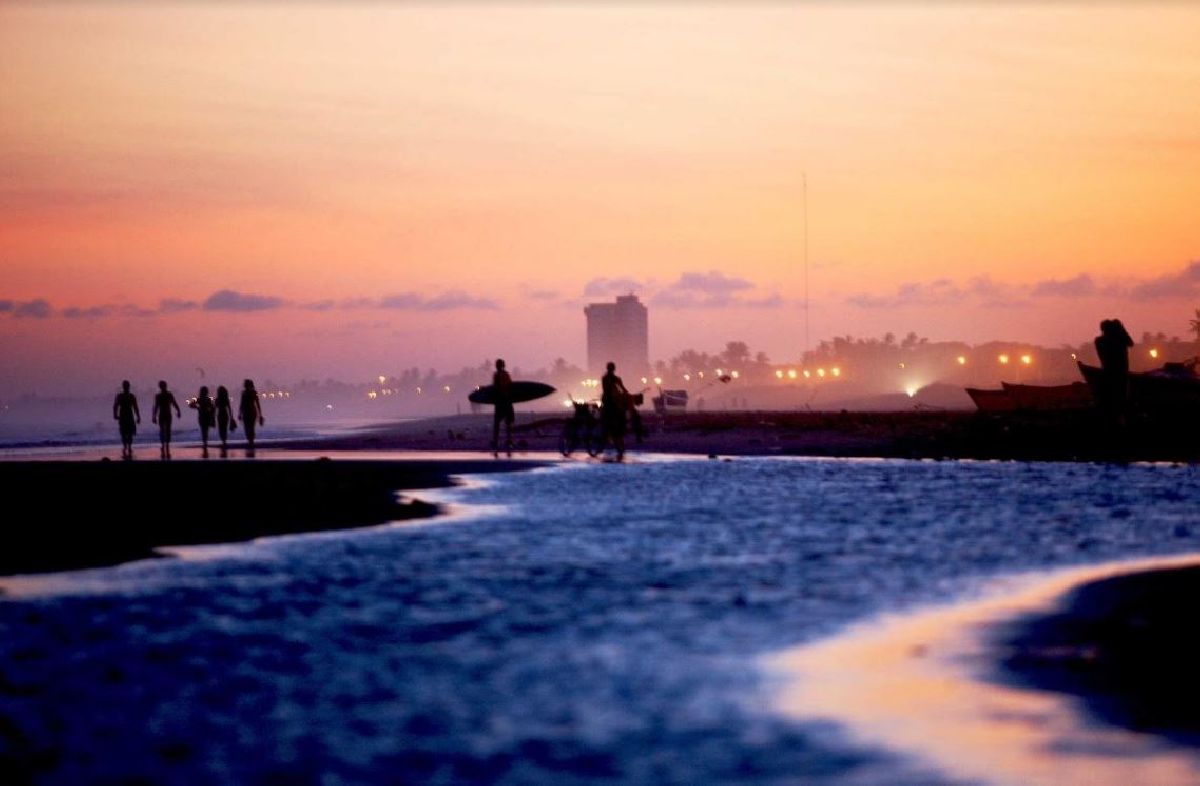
791, 373
1003, 359
910, 390
1026, 359
807, 374
658, 380
687, 377
821, 373
962, 360
734, 374
778, 373
837, 372
382, 379
1154, 353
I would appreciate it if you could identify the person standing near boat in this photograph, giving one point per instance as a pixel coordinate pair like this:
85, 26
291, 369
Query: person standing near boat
125, 410
502, 384
1112, 346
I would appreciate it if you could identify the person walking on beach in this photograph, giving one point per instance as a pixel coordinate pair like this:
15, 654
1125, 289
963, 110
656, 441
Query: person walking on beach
251, 411
226, 422
164, 401
614, 402
1112, 346
503, 405
206, 413
127, 415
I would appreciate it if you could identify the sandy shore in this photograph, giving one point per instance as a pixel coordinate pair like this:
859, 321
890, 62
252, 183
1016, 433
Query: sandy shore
82, 514
1078, 436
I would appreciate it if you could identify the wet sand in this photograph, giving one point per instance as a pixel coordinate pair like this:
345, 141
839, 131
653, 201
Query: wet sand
67, 515
1065, 436
1084, 676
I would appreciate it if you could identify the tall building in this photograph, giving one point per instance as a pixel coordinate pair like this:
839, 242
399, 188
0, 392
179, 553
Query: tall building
618, 332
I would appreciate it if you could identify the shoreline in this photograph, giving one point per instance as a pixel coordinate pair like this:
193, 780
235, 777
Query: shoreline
90, 514
1040, 683
916, 434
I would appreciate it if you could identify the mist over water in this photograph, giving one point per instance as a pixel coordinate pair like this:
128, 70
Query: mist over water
591, 623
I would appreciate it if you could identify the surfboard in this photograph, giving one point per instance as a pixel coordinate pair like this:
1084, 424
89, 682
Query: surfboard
522, 390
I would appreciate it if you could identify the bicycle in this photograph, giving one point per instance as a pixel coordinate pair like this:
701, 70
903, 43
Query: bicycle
582, 429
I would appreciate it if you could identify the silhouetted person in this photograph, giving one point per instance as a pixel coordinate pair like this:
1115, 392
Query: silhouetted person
251, 411
614, 403
502, 408
164, 402
1112, 345
206, 413
127, 415
226, 422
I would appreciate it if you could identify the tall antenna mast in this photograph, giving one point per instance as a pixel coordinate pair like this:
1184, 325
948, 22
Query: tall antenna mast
804, 178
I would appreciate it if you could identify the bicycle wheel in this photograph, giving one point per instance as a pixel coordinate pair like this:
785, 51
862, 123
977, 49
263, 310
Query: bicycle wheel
595, 441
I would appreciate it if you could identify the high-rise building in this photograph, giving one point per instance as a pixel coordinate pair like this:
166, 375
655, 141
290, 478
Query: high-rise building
618, 332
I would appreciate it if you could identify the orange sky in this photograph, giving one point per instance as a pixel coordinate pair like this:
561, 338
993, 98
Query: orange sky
974, 171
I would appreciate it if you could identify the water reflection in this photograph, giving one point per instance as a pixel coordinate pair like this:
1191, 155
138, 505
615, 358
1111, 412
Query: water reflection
909, 683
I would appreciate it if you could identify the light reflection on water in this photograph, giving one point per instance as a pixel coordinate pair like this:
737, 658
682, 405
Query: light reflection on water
908, 683
599, 622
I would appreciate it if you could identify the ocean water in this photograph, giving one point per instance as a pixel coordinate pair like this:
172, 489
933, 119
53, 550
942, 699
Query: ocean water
588, 623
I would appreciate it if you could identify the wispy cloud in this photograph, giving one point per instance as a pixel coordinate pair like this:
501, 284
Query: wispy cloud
986, 292
32, 309
599, 287
710, 289
229, 300
97, 312
175, 305
447, 301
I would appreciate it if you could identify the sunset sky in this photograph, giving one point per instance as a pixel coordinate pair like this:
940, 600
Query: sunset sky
319, 190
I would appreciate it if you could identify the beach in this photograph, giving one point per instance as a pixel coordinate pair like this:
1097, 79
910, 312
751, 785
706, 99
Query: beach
595, 621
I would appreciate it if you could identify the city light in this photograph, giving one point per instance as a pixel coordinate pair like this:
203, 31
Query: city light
658, 380
821, 373
382, 379
910, 390
778, 373
962, 360
1026, 359
687, 377
837, 372
1003, 359
807, 374
791, 373
734, 374
901, 365
1154, 353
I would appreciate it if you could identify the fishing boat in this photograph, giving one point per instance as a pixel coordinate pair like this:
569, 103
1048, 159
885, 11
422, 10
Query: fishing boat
1076, 395
988, 400
1173, 388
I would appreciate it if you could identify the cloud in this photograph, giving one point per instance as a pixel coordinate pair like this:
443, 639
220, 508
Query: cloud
318, 305
5, 306
1186, 283
712, 289
1081, 285
598, 287
175, 305
411, 301
33, 309
985, 292
96, 312
542, 294
228, 300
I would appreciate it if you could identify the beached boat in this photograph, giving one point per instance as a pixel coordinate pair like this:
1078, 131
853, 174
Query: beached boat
1076, 395
992, 400
1173, 388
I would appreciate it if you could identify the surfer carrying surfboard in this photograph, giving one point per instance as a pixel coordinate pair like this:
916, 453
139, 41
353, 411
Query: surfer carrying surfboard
502, 384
